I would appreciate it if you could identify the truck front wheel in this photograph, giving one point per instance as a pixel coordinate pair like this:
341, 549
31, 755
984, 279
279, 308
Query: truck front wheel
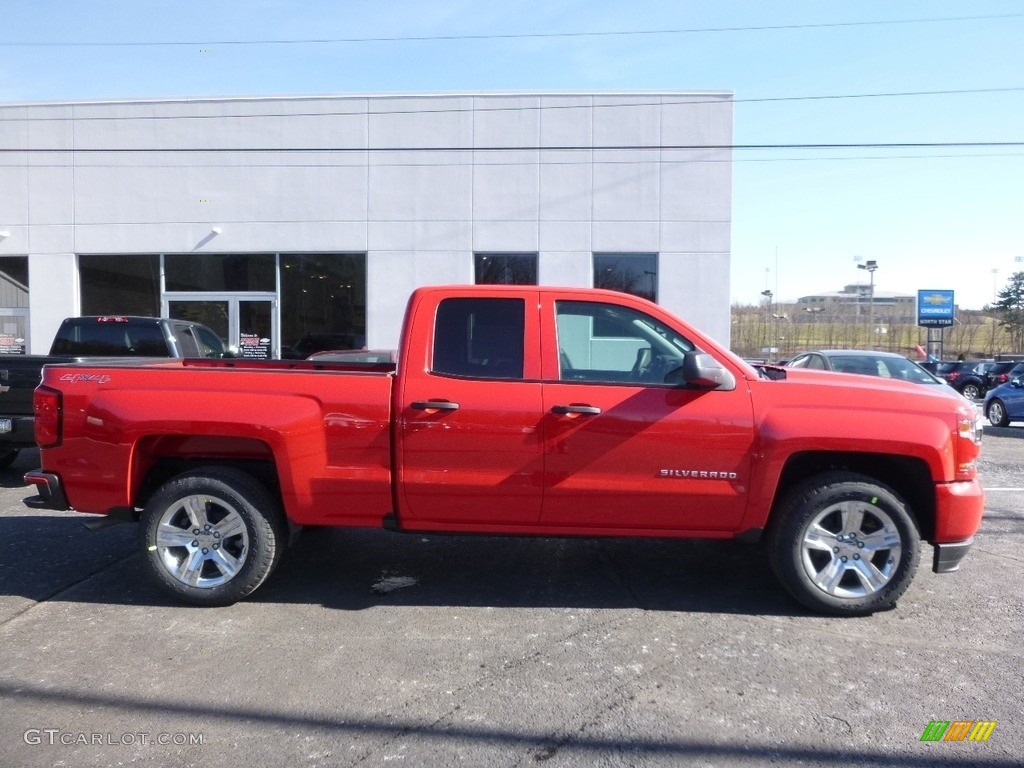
844, 544
212, 536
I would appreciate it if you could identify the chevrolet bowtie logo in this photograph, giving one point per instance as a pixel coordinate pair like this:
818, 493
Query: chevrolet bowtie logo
935, 298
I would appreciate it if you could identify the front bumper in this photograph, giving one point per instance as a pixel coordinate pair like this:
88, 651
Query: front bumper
958, 513
51, 492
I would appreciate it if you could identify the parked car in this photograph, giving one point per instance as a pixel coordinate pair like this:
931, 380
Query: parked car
84, 338
1000, 372
1005, 403
888, 365
385, 357
322, 342
965, 376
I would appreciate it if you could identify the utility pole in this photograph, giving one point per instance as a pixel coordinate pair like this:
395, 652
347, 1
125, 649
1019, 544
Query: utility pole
871, 265
767, 322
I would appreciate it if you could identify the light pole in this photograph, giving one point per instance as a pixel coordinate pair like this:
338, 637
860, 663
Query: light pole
870, 266
767, 322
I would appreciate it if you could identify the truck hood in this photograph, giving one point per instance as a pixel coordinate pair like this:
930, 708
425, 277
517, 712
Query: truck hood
844, 395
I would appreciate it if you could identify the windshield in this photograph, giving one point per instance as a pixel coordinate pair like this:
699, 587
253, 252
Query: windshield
886, 367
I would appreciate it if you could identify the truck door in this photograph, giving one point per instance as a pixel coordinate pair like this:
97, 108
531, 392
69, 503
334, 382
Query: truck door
623, 449
469, 416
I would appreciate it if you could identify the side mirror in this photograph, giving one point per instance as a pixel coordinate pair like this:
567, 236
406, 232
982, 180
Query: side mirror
701, 371
1017, 382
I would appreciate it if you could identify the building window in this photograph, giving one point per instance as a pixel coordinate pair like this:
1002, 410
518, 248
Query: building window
220, 272
506, 268
120, 285
635, 273
323, 302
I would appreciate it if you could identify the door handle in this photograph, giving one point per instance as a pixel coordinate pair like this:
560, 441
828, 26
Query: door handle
434, 405
585, 410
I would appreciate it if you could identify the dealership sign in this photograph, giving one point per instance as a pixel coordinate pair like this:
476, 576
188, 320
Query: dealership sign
934, 308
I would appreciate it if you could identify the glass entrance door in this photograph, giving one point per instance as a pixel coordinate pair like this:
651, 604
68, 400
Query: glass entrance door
255, 329
248, 324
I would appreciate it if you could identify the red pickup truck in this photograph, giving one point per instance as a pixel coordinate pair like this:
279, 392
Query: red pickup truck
521, 411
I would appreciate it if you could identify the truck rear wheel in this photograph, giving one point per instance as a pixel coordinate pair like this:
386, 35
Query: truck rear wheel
7, 457
212, 536
844, 544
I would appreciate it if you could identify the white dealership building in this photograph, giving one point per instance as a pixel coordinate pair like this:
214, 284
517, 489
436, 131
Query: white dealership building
307, 221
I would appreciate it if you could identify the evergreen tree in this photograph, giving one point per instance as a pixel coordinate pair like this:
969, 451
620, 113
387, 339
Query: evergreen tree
1010, 310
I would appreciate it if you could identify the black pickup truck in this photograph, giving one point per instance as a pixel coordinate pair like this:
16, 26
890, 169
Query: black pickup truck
81, 338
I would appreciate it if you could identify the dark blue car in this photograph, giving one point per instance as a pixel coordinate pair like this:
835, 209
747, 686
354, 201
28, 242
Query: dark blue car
1005, 403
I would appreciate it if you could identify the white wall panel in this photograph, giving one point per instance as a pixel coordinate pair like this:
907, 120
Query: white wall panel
506, 186
505, 236
575, 268
695, 286
53, 295
566, 185
419, 183
565, 235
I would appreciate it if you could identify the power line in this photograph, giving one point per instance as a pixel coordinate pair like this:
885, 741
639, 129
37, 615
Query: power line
520, 163
506, 36
664, 101
530, 148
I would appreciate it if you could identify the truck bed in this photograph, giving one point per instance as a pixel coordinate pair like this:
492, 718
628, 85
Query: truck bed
325, 428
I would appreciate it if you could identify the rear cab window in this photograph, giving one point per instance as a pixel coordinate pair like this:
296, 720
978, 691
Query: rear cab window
105, 337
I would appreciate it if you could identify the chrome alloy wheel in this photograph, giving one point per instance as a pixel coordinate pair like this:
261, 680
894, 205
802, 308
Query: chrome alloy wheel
202, 541
851, 549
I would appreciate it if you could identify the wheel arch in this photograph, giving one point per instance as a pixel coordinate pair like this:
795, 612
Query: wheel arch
908, 476
160, 458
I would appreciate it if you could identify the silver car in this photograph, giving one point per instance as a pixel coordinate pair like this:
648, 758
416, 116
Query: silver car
887, 365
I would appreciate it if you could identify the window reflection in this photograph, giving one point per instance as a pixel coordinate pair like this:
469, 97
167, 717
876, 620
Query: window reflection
120, 284
635, 273
506, 268
323, 303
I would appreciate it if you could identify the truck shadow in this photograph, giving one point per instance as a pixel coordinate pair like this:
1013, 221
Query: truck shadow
13, 476
53, 555
355, 570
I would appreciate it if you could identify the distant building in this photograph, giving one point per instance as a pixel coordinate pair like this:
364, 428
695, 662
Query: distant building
855, 298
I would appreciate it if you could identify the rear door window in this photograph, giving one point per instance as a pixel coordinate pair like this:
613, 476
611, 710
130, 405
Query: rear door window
480, 338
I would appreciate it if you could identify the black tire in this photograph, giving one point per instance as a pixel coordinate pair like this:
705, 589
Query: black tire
7, 457
996, 413
213, 535
971, 391
844, 544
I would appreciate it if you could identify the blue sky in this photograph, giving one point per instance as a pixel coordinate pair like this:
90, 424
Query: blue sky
933, 218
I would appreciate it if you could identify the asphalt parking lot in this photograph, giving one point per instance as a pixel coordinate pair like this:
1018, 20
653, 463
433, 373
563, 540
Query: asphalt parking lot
367, 648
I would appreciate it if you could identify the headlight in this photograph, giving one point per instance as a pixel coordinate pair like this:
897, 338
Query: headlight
968, 444
970, 428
